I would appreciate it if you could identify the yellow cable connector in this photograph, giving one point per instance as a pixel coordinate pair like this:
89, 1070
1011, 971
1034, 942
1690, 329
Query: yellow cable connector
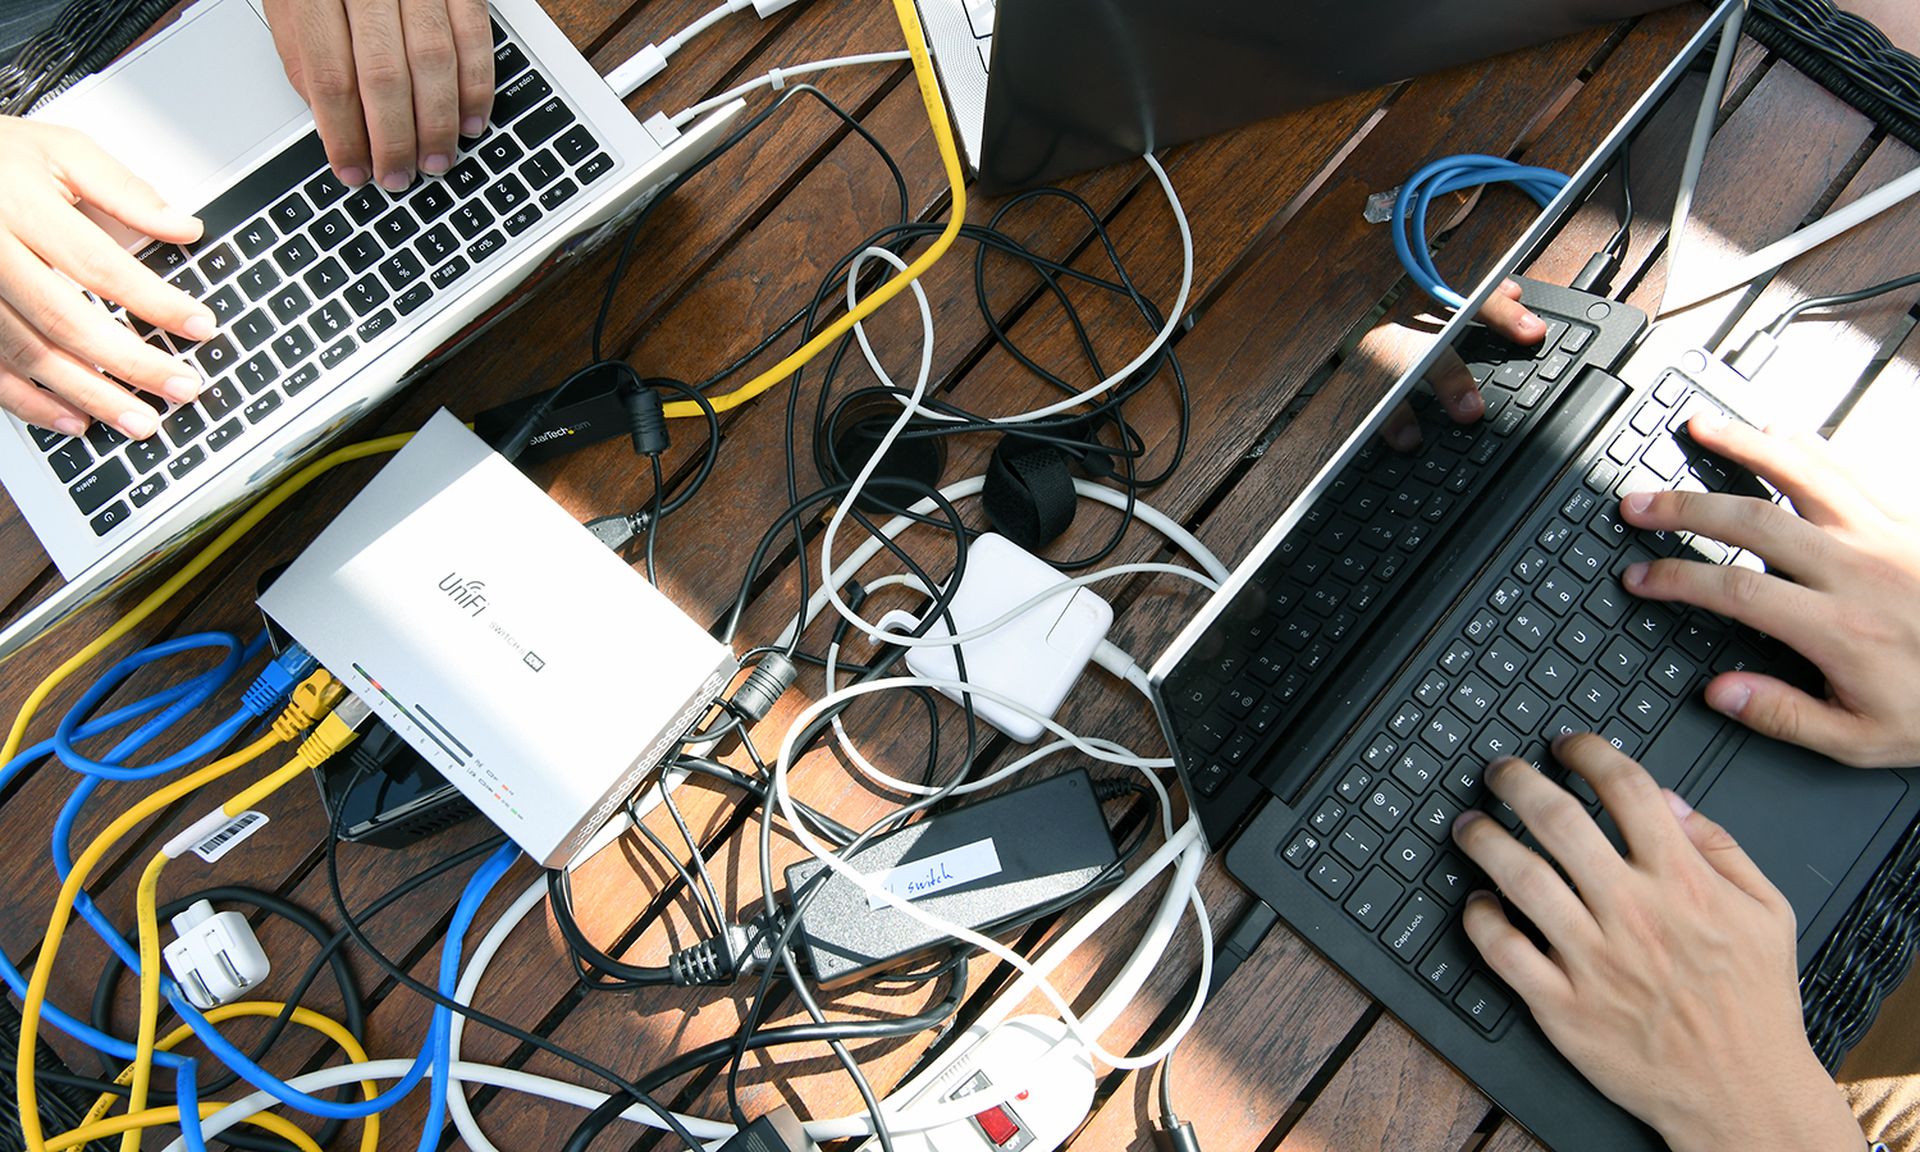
313, 700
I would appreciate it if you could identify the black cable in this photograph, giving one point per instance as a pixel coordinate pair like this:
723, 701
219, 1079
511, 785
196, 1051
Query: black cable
402, 976
1837, 300
1623, 238
653, 525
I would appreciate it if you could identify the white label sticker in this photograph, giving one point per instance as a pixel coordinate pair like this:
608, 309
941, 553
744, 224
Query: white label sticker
949, 869
229, 836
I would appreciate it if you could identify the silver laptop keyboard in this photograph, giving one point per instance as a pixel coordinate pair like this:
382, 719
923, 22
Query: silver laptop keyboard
302, 272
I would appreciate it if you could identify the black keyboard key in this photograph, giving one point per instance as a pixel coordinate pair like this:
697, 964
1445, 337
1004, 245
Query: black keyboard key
104, 438
291, 213
187, 282
256, 373
1580, 638
541, 169
1503, 661
537, 126
1673, 671
486, 246
1326, 818
184, 426
46, 438
1622, 660
69, 460
324, 278
1373, 898
1482, 627
499, 153
1553, 673
224, 435
334, 354
467, 178
330, 320
362, 252
397, 227
1483, 1002
1495, 741
91, 492
292, 346
436, 244
1525, 709
516, 96
300, 379
1449, 961
258, 280
594, 169
215, 356
401, 269
325, 188
1300, 849
261, 408
365, 204
375, 324
508, 62
450, 271
521, 220
1530, 627
412, 298
1649, 625
1353, 786
1386, 805
289, 303
186, 461
432, 201
1473, 696
330, 230
1357, 843
295, 254
219, 398
558, 194
576, 144
1409, 855
1558, 593
1435, 815
507, 193
472, 219
1586, 557
142, 494
366, 294
108, 518
1595, 697
217, 264
1463, 782
1411, 928
1450, 879
164, 259
254, 329
145, 455
255, 238
1331, 877
1645, 708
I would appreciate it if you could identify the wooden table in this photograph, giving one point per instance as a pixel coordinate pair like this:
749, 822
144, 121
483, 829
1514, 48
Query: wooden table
1286, 352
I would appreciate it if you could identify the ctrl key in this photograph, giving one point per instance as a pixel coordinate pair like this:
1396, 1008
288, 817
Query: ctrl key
1483, 1002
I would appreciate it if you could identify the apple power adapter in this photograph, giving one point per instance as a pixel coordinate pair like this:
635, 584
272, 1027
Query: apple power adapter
536, 671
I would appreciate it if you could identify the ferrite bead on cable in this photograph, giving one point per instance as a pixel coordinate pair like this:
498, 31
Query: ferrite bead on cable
646, 420
764, 686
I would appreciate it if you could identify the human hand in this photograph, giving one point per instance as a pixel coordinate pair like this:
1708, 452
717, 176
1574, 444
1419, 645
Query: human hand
393, 84
1453, 384
49, 331
1669, 980
1852, 605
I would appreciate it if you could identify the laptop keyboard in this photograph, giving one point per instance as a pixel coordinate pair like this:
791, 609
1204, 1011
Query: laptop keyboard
1548, 642
1367, 533
302, 273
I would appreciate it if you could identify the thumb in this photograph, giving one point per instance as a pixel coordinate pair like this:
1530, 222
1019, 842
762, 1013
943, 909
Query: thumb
1774, 708
104, 182
1721, 851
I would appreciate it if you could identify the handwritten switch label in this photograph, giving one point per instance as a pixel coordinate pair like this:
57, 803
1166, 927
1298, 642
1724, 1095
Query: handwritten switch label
937, 873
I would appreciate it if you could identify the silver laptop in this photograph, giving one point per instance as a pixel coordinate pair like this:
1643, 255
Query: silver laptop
327, 297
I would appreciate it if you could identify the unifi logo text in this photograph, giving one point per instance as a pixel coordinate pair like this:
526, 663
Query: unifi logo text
469, 594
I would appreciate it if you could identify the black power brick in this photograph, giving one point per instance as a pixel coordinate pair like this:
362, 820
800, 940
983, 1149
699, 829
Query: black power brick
991, 867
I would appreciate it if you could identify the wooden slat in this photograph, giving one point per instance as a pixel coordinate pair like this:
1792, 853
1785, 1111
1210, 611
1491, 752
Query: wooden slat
1392, 1093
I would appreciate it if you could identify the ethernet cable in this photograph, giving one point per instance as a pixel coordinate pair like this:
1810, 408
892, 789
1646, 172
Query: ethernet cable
1454, 174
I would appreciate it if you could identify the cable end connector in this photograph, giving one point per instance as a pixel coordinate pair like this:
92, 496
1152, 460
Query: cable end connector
216, 958
313, 698
1597, 276
766, 8
636, 70
1176, 1136
270, 690
1754, 354
742, 951
617, 531
763, 687
340, 727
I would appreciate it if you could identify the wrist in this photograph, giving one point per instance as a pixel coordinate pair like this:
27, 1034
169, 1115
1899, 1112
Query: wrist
1800, 1113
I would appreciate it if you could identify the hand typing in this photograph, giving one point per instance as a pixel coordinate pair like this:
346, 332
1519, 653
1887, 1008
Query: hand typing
1453, 385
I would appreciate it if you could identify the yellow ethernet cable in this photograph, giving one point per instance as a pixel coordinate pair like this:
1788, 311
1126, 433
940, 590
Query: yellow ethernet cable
929, 84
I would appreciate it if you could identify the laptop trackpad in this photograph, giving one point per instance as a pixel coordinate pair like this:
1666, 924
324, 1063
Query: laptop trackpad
1803, 818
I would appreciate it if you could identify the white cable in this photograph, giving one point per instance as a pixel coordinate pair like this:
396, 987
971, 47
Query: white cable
1696, 157
679, 39
777, 78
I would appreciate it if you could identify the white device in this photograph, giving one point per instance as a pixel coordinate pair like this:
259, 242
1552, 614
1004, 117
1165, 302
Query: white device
526, 662
1052, 1091
1035, 657
960, 36
215, 957
311, 335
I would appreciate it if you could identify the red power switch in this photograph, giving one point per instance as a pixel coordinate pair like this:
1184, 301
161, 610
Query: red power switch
998, 1126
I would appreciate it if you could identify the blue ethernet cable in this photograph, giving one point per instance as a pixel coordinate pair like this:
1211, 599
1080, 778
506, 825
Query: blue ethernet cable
1453, 174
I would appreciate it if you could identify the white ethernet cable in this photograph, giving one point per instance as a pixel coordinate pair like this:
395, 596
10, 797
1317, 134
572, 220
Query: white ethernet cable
776, 79
627, 77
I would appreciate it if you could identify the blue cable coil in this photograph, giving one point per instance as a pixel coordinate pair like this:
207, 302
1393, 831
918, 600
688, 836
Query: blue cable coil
1455, 174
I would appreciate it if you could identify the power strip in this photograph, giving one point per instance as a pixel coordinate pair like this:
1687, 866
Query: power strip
1052, 1085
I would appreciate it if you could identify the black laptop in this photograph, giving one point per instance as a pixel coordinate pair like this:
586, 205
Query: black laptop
1414, 616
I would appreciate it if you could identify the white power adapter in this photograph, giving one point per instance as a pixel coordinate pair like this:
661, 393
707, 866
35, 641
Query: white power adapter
1036, 657
1051, 1078
217, 957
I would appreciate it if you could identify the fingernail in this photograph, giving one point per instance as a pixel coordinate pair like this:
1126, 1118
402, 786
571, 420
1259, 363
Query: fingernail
138, 423
199, 326
1680, 808
1730, 699
1467, 405
1402, 437
1635, 575
1461, 821
181, 389
473, 126
396, 181
1480, 896
1529, 323
1639, 502
1708, 422
435, 164
351, 177
69, 425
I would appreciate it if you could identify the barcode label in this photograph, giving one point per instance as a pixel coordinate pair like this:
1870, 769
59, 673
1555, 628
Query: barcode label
229, 836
